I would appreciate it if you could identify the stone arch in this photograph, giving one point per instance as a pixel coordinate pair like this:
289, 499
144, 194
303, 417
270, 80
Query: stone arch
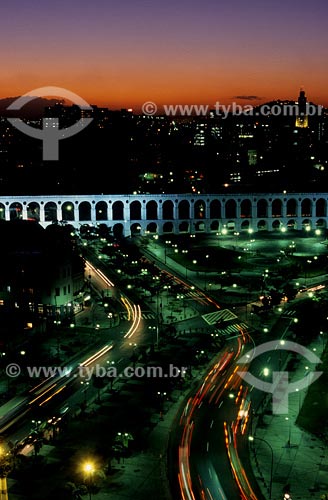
67, 211
118, 210
33, 211
151, 210
306, 223
50, 212
85, 211
101, 210
135, 210
244, 225
231, 209
199, 209
262, 225
152, 227
184, 227
306, 208
184, 209
118, 230
16, 211
168, 210
168, 227
231, 225
321, 208
292, 224
321, 224
276, 208
262, 208
291, 208
214, 225
135, 229
246, 209
200, 226
276, 225
215, 209
2, 211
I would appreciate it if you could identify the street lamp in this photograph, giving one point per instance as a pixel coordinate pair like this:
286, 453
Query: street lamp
167, 242
205, 272
323, 340
89, 469
152, 330
181, 296
185, 251
4, 471
252, 438
36, 424
162, 397
85, 391
289, 432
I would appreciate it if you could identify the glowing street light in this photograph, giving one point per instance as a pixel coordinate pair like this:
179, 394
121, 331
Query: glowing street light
88, 469
4, 470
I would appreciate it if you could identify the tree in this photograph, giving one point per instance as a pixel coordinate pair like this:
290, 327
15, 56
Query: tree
98, 383
290, 291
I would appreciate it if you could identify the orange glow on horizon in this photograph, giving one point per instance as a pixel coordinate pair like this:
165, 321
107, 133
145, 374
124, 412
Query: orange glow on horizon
131, 89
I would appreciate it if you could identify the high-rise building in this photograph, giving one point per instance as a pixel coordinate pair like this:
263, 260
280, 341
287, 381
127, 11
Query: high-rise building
302, 118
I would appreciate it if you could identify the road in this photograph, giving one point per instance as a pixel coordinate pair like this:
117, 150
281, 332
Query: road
67, 386
211, 459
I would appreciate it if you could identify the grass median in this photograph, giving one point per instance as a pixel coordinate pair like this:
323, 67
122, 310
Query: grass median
313, 414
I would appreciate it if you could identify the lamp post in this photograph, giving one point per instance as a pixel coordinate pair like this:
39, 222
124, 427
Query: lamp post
321, 333
182, 297
88, 469
157, 317
186, 269
289, 433
5, 468
252, 438
152, 330
205, 272
85, 392
162, 396
167, 242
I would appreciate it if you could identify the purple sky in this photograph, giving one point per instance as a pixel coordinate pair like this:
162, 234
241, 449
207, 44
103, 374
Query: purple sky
120, 54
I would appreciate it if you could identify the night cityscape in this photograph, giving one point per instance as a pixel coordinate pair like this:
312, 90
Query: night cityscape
164, 221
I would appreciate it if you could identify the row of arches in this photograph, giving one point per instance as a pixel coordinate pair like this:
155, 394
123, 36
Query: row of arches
85, 211
217, 226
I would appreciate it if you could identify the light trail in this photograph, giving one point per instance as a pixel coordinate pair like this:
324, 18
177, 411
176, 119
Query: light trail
99, 273
133, 310
97, 355
42, 393
135, 323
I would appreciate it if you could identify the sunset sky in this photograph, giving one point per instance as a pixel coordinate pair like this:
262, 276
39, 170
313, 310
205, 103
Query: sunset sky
122, 53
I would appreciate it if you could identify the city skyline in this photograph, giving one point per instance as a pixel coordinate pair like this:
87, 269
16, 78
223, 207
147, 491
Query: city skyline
120, 56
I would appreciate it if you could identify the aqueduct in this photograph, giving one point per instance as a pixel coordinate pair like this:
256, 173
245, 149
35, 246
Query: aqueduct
174, 213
